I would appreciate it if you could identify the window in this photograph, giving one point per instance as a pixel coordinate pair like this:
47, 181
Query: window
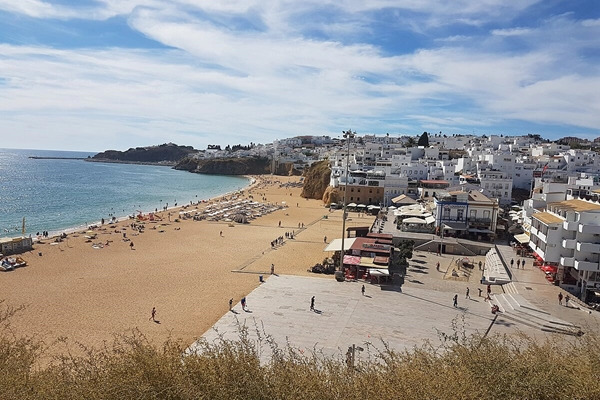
473, 214
459, 214
447, 213
506, 186
486, 214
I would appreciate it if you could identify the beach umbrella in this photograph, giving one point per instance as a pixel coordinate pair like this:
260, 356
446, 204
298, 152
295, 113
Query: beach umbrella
240, 218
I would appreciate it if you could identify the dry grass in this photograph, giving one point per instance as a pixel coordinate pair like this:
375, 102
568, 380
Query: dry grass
459, 367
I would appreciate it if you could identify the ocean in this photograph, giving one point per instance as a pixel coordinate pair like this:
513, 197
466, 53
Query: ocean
56, 195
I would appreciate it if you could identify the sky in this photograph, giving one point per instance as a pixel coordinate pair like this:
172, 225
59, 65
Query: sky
93, 75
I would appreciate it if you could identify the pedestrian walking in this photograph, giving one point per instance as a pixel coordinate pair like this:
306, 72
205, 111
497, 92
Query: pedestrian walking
312, 303
363, 290
325, 239
153, 314
243, 301
512, 261
523, 263
489, 289
221, 233
467, 295
567, 298
455, 300
480, 265
518, 263
479, 291
437, 266
272, 269
131, 245
230, 303
560, 297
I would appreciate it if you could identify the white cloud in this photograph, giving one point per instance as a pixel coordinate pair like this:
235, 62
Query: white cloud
262, 78
511, 32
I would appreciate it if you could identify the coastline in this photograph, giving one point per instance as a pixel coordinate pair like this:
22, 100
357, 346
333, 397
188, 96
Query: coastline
184, 269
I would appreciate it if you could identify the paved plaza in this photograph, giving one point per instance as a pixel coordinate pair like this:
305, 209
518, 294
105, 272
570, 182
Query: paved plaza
419, 312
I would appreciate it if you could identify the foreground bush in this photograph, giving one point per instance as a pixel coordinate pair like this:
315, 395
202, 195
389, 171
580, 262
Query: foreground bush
458, 368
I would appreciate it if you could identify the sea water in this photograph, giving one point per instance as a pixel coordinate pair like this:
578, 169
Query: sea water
62, 194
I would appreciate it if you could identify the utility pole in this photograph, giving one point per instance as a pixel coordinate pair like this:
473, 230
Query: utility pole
349, 134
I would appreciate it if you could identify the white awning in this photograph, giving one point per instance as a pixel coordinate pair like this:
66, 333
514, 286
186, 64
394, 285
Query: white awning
336, 244
522, 238
457, 226
413, 220
429, 220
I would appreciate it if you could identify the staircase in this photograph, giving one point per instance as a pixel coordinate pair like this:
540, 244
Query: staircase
515, 308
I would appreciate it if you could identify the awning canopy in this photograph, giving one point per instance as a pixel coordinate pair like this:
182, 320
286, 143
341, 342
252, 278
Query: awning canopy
336, 244
403, 199
430, 219
378, 272
522, 238
457, 226
368, 262
480, 231
351, 260
413, 220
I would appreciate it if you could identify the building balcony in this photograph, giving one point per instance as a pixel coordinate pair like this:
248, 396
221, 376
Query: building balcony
542, 236
569, 244
588, 247
586, 265
567, 261
570, 226
594, 229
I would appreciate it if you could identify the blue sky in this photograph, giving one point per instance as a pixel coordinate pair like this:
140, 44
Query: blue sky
113, 74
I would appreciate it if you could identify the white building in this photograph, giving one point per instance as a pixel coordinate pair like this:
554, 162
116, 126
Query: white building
568, 234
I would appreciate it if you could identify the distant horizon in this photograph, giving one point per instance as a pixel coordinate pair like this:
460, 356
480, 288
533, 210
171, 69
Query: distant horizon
224, 145
114, 74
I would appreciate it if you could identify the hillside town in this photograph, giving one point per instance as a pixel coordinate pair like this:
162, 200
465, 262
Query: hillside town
540, 196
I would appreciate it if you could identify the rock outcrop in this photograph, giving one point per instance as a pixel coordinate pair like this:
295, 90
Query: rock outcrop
226, 166
164, 153
316, 180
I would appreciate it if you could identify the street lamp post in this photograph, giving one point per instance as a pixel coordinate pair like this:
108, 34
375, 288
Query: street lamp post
349, 134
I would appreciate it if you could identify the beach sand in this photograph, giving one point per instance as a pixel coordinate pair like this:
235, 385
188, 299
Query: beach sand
188, 272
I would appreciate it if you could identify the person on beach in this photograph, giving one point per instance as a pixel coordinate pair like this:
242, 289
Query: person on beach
312, 303
221, 233
455, 300
153, 314
479, 289
243, 301
325, 239
467, 295
230, 303
131, 245
272, 269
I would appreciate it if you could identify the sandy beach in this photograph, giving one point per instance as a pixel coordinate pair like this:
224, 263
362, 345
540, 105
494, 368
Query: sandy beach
185, 269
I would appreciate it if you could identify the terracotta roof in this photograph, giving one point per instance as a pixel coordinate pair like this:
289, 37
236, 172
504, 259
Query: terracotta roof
575, 205
478, 196
547, 218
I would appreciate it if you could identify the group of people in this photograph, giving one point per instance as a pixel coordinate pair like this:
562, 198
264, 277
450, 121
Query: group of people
520, 263
560, 299
280, 239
